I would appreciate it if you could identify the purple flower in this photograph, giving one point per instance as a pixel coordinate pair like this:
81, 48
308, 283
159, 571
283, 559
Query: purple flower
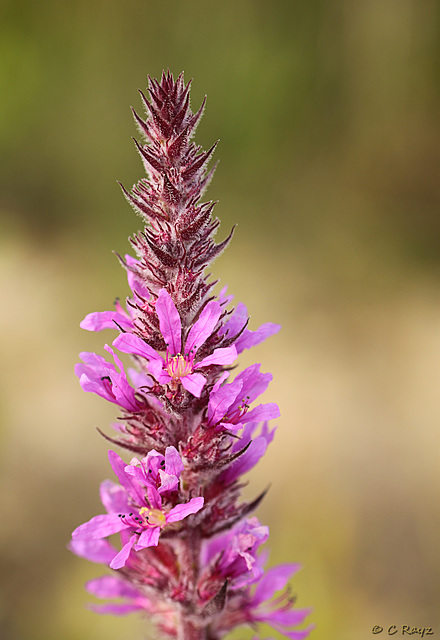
228, 405
135, 506
161, 472
130, 599
179, 365
256, 450
99, 376
233, 556
279, 613
115, 587
99, 320
194, 430
238, 320
100, 551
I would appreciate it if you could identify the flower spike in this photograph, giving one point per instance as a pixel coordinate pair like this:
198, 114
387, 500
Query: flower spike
185, 548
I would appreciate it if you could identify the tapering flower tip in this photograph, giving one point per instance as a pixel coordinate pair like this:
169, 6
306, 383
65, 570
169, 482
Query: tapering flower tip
168, 128
180, 364
168, 112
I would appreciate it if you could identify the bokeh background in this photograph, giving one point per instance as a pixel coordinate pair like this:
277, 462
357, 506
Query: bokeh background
327, 114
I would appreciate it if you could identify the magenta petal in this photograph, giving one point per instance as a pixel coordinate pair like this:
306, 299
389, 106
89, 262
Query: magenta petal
194, 383
245, 437
99, 551
121, 558
245, 462
135, 282
274, 580
287, 618
116, 358
129, 343
111, 587
139, 378
94, 360
236, 321
173, 462
169, 321
99, 320
249, 338
124, 394
221, 399
99, 376
130, 484
113, 497
248, 434
254, 382
167, 482
263, 412
203, 328
154, 497
182, 510
156, 368
266, 434
136, 472
100, 527
93, 375
223, 298
225, 355
148, 538
93, 386
237, 554
218, 384
232, 427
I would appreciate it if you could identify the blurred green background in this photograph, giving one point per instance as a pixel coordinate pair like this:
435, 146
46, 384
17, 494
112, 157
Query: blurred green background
327, 114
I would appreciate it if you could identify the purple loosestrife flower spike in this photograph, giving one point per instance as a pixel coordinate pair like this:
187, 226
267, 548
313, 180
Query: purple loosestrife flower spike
189, 553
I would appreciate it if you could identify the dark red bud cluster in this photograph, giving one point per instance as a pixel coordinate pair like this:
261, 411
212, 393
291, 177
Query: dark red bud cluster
178, 243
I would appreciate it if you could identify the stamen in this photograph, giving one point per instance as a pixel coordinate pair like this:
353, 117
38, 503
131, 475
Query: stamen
179, 366
153, 517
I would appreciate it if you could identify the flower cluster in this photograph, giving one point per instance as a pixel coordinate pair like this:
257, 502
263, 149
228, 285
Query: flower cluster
189, 551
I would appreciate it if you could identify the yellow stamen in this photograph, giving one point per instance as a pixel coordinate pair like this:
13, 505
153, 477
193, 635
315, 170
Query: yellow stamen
178, 366
153, 517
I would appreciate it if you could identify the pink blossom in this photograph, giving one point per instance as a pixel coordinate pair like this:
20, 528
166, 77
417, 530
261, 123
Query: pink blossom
235, 326
232, 556
135, 506
228, 405
190, 550
98, 376
279, 613
256, 448
114, 587
179, 365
